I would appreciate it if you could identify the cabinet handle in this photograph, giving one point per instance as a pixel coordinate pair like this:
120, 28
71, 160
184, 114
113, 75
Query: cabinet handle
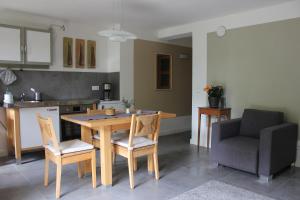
25, 49
51, 109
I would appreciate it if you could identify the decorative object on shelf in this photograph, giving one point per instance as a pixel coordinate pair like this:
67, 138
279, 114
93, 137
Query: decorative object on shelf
91, 54
116, 33
110, 111
80, 53
127, 104
215, 93
163, 72
68, 51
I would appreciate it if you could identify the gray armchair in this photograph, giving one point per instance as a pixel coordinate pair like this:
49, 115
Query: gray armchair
260, 143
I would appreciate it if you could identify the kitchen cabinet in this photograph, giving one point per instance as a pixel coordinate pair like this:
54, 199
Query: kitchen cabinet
26, 46
37, 47
23, 131
29, 128
11, 43
119, 105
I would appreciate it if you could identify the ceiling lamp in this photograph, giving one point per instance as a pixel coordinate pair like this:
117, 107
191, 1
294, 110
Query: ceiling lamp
116, 33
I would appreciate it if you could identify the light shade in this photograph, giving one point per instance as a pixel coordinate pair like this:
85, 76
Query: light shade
117, 35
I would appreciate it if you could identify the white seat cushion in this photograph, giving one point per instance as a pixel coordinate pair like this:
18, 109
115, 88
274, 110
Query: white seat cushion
70, 146
137, 142
115, 136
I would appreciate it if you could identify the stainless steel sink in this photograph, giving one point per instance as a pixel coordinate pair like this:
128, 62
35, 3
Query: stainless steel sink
30, 101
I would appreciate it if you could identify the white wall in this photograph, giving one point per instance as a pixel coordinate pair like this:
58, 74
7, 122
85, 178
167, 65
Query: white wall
199, 31
107, 52
126, 70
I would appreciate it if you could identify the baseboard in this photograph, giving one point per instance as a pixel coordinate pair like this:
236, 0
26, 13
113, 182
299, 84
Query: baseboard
297, 164
176, 125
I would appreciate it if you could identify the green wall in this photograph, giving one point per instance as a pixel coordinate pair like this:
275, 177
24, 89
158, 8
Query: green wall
259, 67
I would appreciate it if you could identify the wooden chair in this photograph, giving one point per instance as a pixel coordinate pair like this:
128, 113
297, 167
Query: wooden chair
72, 151
96, 136
142, 141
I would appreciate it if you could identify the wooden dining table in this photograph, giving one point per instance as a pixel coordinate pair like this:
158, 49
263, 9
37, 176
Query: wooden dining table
106, 126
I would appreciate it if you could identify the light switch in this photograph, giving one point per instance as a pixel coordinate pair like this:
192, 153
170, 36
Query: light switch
95, 87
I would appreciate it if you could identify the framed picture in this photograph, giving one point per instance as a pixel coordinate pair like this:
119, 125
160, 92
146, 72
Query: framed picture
80, 53
91, 54
68, 52
163, 71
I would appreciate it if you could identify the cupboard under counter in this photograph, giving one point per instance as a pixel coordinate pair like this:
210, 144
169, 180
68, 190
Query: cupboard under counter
23, 131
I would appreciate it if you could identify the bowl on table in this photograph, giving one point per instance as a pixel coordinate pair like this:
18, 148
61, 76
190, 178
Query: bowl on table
110, 111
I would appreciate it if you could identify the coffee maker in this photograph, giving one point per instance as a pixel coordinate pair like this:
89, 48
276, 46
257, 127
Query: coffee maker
107, 91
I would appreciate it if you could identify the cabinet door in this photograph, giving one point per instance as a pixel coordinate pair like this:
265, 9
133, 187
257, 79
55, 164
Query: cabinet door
38, 47
29, 128
10, 44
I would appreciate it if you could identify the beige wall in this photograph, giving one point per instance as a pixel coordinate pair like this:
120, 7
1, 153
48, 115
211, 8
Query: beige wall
177, 100
259, 67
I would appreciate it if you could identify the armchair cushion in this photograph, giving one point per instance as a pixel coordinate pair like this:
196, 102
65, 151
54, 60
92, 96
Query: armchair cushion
253, 121
239, 152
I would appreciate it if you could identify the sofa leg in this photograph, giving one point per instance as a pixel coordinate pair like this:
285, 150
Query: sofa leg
265, 178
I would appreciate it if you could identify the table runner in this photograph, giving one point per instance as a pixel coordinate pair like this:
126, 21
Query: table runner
103, 116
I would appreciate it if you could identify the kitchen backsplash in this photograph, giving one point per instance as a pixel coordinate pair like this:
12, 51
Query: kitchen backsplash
61, 85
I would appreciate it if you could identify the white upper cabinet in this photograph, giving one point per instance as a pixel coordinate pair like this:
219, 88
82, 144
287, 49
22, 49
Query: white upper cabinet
37, 47
27, 46
10, 44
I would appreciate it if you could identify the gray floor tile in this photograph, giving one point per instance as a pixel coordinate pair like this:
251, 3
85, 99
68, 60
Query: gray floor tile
181, 168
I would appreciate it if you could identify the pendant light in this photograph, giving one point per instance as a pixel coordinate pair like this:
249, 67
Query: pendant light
116, 33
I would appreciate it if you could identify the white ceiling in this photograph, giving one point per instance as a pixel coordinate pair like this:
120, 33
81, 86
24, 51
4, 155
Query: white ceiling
152, 14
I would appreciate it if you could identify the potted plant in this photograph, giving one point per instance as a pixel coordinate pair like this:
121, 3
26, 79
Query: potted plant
127, 104
215, 93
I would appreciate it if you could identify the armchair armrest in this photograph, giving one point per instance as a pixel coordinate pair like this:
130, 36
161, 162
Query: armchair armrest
277, 148
225, 129
221, 131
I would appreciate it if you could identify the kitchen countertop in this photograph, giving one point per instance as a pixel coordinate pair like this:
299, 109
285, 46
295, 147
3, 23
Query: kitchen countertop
33, 104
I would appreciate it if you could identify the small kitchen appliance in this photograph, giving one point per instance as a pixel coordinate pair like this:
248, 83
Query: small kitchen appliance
8, 97
107, 91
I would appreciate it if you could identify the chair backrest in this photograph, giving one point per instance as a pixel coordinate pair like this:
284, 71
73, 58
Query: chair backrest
253, 121
145, 125
48, 132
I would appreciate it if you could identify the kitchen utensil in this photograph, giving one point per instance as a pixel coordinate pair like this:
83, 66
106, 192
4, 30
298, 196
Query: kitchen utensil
8, 97
37, 95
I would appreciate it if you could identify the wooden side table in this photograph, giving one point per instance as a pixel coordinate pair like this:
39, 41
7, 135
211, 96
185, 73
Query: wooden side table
218, 112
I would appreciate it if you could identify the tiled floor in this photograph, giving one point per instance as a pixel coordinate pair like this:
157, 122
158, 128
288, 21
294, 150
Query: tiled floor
181, 168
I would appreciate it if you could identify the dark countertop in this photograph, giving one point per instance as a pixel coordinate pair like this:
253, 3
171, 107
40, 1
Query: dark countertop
33, 104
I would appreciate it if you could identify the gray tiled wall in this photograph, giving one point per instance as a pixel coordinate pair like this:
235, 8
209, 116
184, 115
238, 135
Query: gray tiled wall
61, 85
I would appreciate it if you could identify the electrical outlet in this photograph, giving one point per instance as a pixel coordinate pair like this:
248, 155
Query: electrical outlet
95, 88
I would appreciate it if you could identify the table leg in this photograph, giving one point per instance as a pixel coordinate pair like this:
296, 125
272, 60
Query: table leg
106, 155
208, 129
86, 136
199, 129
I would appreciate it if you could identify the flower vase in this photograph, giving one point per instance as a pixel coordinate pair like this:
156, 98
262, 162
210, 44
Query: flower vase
213, 102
